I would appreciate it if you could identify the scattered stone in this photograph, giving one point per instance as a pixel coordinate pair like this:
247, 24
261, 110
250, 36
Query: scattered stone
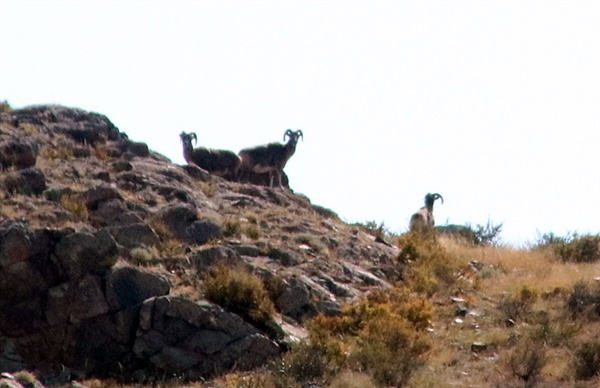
478, 347
460, 311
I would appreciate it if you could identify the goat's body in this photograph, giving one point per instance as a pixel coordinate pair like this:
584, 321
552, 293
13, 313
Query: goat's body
223, 163
423, 218
269, 158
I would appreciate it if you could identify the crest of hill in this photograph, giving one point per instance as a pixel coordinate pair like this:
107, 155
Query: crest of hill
105, 245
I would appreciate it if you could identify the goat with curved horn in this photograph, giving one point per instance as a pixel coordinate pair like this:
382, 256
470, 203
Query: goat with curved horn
223, 163
423, 219
270, 158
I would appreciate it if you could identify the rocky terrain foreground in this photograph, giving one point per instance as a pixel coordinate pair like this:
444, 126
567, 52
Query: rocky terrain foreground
104, 245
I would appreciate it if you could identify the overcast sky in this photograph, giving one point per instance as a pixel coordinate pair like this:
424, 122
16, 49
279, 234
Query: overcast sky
493, 104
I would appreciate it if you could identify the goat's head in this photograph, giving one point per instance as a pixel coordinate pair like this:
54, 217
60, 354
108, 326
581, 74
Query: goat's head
430, 199
293, 135
186, 138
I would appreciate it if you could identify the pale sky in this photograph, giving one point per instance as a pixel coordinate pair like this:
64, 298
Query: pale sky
493, 104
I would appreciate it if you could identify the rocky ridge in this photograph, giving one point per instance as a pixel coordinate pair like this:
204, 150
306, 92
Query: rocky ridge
104, 243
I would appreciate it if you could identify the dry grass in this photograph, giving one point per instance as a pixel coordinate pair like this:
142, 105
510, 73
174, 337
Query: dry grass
539, 349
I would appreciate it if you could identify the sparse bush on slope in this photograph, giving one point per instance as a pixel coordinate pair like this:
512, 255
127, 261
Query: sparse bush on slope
430, 264
587, 360
239, 291
573, 248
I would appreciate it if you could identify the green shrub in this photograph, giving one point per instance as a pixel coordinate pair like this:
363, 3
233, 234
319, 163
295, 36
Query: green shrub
311, 361
488, 234
527, 360
252, 231
239, 291
554, 332
374, 229
584, 299
581, 249
232, 229
389, 350
587, 360
383, 334
519, 305
430, 264
573, 247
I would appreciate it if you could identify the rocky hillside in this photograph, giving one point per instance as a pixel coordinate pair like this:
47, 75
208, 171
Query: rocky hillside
104, 245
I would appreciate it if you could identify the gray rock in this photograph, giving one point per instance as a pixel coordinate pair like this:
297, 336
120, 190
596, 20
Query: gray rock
206, 259
295, 301
198, 339
285, 257
178, 218
80, 253
202, 231
115, 212
122, 165
247, 250
197, 173
135, 235
99, 194
29, 181
136, 148
129, 286
16, 153
75, 301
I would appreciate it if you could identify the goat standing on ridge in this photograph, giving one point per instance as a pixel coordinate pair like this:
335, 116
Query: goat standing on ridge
423, 219
223, 163
270, 158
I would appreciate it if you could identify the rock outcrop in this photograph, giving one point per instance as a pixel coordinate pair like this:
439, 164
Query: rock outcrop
104, 245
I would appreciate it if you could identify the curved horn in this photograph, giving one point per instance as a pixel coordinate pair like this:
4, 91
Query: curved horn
299, 134
193, 136
437, 196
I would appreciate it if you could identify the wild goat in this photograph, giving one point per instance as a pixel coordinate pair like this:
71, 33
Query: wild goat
423, 219
223, 163
270, 158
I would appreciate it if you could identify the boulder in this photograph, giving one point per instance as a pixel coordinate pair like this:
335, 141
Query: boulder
202, 231
128, 286
28, 181
99, 194
135, 148
80, 253
178, 218
75, 301
176, 335
206, 259
135, 235
17, 153
116, 213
